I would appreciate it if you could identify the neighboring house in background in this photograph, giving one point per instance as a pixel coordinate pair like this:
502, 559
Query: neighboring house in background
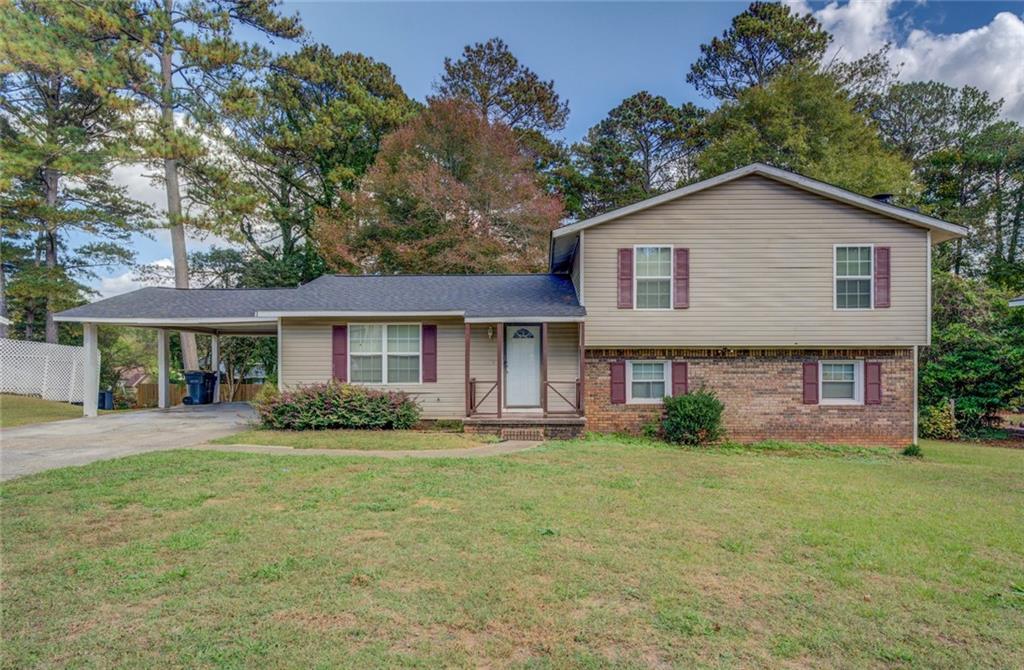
1017, 302
130, 378
801, 304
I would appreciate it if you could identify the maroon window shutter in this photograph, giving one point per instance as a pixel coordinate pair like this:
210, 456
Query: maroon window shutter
682, 279
811, 383
429, 352
873, 383
680, 378
339, 353
625, 279
882, 277
618, 382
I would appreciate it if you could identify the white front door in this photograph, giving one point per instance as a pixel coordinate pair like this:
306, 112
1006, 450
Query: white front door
522, 366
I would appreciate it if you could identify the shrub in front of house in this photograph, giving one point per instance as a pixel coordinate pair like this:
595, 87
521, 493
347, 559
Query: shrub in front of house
333, 405
938, 422
694, 418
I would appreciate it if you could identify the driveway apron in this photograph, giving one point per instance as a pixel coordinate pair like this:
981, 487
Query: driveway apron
28, 449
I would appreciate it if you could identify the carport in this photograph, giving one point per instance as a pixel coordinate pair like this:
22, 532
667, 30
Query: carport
213, 312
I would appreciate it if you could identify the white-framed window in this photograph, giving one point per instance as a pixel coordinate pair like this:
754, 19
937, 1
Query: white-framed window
652, 277
648, 381
384, 353
841, 382
853, 276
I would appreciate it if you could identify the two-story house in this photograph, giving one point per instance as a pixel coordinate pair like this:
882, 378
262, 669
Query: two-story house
800, 304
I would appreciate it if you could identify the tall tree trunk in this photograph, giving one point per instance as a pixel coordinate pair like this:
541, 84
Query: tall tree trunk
52, 179
189, 355
3, 293
1018, 217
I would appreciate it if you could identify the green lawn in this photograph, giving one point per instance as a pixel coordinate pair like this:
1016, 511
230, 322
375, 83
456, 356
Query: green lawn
598, 553
18, 410
396, 440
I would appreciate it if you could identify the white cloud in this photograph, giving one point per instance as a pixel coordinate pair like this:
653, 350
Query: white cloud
990, 57
126, 281
140, 185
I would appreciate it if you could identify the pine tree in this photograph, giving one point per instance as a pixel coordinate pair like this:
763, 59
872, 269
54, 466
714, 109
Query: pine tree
296, 144
183, 58
61, 130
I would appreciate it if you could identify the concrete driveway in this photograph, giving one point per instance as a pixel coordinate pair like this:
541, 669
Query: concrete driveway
45, 446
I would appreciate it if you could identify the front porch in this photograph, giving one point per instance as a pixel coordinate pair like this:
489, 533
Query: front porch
537, 373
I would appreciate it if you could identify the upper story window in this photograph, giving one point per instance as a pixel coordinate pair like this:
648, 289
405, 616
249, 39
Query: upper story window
653, 277
853, 273
384, 354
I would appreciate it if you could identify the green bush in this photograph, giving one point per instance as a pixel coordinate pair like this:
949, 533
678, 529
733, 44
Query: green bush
267, 392
938, 423
913, 451
333, 405
977, 354
694, 418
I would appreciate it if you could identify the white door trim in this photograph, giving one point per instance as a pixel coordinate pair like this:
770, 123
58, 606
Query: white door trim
510, 329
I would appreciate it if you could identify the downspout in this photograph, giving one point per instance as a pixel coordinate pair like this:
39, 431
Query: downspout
916, 410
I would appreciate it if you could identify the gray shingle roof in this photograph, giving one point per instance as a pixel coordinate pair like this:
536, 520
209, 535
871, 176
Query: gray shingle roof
477, 296
172, 303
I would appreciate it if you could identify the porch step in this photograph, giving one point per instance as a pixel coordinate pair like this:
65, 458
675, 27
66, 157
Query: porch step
522, 434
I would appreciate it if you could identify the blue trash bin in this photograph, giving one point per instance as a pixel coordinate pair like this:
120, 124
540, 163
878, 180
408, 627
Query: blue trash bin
106, 400
198, 394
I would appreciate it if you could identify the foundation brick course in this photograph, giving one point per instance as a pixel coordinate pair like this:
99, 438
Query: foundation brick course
763, 396
550, 429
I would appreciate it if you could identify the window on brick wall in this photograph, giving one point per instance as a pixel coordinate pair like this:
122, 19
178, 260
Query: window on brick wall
841, 382
648, 381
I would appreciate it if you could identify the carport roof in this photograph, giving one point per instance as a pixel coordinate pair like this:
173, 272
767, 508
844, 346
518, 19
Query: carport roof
476, 297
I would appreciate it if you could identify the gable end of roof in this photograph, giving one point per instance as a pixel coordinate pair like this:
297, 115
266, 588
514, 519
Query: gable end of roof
941, 230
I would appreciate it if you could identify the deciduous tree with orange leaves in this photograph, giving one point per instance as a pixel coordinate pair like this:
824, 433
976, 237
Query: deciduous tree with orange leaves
449, 192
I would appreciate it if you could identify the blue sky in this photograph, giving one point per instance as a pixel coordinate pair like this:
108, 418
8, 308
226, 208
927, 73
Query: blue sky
597, 53
600, 53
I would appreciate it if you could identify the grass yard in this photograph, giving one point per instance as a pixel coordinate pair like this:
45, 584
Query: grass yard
363, 440
598, 553
19, 410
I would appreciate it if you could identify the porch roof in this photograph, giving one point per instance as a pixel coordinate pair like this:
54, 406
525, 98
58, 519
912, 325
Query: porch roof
474, 297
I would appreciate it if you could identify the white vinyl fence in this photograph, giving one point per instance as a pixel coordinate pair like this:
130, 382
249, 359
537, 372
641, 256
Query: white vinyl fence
52, 371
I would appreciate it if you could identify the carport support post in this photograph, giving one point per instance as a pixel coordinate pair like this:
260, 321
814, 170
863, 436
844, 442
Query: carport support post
91, 381
163, 354
215, 365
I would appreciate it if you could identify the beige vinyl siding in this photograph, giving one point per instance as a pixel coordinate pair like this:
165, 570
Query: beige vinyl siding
307, 360
483, 364
307, 348
761, 272
563, 364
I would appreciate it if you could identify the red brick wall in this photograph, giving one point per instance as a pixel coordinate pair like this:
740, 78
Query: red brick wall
763, 399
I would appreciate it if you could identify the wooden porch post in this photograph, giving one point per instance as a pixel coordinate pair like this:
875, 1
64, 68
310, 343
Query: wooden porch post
583, 368
501, 364
469, 398
544, 368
